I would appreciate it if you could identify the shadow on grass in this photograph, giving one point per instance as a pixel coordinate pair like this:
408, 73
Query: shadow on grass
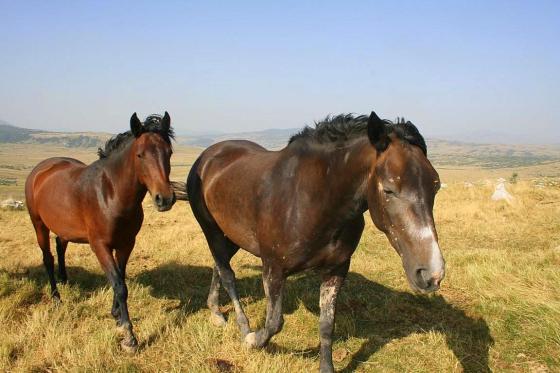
85, 280
365, 309
188, 284
368, 310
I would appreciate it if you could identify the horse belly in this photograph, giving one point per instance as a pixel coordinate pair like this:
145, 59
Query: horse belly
64, 219
239, 232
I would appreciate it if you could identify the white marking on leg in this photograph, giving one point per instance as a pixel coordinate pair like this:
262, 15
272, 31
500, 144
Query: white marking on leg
251, 339
327, 295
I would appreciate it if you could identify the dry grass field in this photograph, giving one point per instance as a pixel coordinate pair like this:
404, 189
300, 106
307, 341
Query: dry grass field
498, 309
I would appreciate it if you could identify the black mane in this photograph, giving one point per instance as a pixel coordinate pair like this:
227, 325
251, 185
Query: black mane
343, 127
151, 124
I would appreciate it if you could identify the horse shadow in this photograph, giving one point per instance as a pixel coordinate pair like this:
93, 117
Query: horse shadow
378, 314
365, 309
186, 283
85, 280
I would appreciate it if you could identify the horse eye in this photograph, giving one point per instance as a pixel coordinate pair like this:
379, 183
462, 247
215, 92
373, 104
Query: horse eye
139, 155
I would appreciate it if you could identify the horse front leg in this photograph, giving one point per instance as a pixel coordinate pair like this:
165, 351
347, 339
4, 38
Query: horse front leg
115, 274
122, 254
332, 282
273, 282
129, 342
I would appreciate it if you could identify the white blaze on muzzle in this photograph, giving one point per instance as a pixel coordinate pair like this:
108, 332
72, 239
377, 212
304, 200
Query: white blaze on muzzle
436, 259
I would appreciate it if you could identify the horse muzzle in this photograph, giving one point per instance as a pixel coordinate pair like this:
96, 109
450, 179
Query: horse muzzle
427, 280
164, 203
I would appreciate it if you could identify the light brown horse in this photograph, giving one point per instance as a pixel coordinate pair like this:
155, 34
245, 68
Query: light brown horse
101, 204
302, 207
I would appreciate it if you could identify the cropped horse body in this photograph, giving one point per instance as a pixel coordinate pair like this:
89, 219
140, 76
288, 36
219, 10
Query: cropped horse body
101, 204
302, 208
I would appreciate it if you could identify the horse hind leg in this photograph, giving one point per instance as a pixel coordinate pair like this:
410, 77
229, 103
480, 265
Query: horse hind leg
61, 255
223, 250
48, 260
213, 302
273, 283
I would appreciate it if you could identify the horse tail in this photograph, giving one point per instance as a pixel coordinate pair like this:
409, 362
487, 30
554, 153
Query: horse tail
180, 190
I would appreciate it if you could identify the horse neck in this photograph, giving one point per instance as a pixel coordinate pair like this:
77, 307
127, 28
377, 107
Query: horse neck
348, 170
121, 170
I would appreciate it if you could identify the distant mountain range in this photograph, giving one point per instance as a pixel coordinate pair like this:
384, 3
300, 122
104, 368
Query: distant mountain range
270, 138
13, 134
442, 152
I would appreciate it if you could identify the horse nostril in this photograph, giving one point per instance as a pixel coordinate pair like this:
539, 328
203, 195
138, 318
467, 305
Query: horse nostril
158, 199
422, 278
427, 280
437, 276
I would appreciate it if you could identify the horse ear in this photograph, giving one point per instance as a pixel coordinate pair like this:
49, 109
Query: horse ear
135, 125
377, 132
166, 122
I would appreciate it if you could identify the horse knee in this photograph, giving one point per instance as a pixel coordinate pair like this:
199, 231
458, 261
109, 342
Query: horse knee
121, 291
48, 258
227, 276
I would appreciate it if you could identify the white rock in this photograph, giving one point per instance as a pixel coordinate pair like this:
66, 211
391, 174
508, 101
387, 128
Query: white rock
501, 194
12, 204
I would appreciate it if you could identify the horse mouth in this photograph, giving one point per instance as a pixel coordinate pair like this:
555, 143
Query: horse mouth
164, 208
429, 290
431, 287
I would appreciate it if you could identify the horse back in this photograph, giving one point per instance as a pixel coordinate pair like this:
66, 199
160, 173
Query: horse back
49, 169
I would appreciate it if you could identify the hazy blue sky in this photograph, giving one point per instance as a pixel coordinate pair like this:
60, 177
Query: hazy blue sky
454, 68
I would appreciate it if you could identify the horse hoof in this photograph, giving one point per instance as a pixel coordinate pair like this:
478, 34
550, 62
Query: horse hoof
217, 320
129, 348
251, 340
56, 299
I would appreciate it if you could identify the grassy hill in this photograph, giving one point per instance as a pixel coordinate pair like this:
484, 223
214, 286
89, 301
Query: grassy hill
498, 309
454, 153
12, 134
270, 138
441, 152
17, 135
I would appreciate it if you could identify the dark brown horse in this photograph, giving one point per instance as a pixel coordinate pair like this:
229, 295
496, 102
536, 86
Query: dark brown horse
303, 207
101, 204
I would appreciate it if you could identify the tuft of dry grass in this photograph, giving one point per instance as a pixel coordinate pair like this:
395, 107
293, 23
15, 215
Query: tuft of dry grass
498, 309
